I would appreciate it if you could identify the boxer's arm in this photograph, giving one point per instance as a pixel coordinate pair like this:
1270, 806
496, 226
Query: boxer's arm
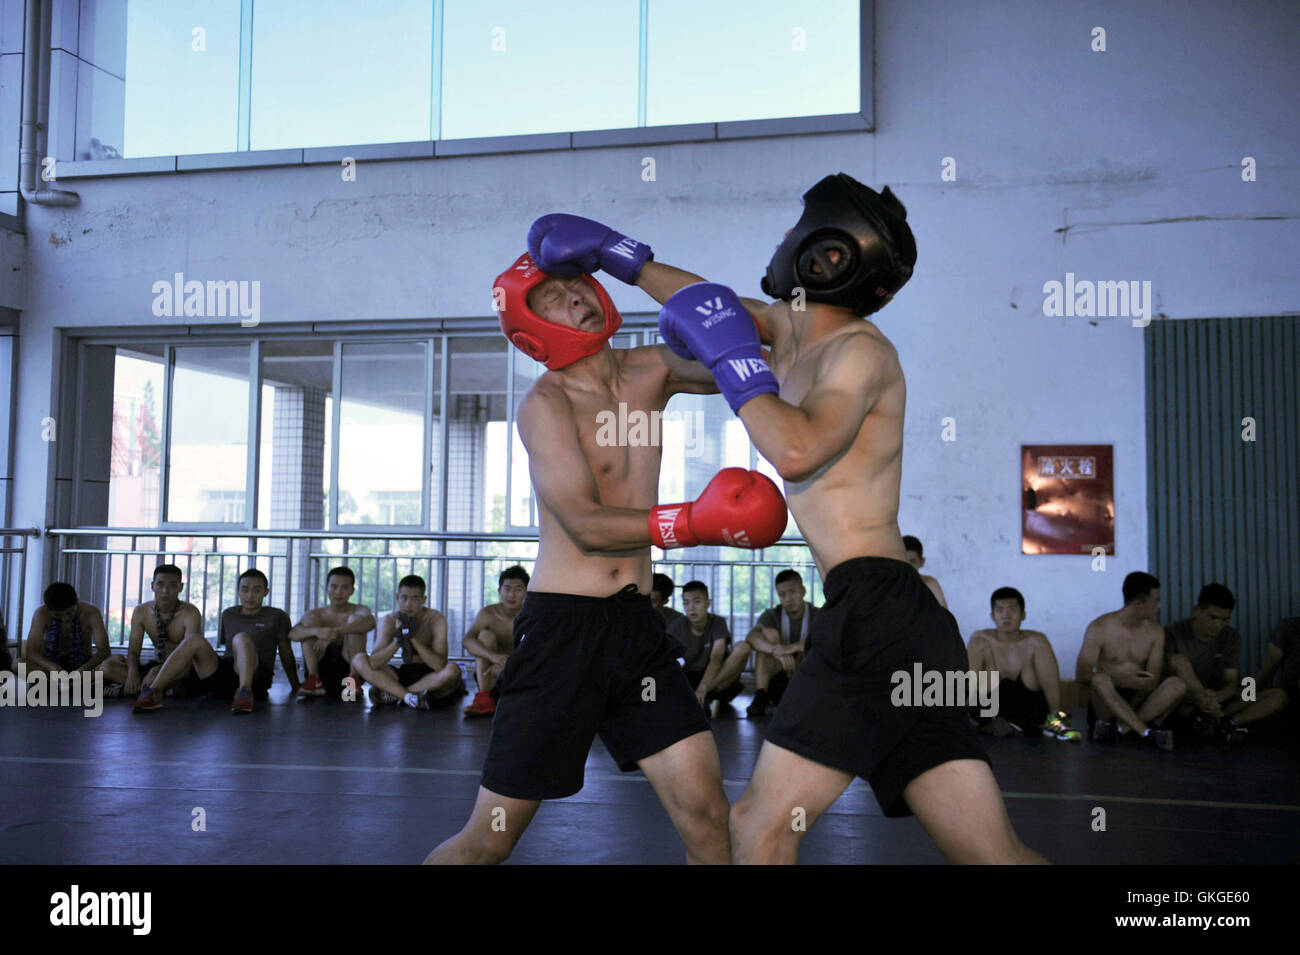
685, 377
471, 643
564, 482
661, 282
800, 440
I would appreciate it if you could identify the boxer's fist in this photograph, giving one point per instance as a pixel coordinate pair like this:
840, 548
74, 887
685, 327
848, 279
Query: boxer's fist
739, 508
564, 245
708, 323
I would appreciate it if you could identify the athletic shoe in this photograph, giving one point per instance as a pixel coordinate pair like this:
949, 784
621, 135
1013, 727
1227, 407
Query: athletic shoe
1057, 726
1234, 734
1163, 739
415, 701
112, 690
1203, 724
147, 701
1105, 731
998, 726
380, 697
482, 705
759, 706
312, 686
243, 701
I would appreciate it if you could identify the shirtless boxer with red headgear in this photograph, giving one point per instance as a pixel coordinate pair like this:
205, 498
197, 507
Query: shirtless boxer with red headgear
592, 655
831, 420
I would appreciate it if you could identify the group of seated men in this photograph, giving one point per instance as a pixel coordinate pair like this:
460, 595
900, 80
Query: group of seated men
713, 666
1142, 680
69, 635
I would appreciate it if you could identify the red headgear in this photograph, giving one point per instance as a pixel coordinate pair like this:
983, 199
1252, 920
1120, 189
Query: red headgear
553, 345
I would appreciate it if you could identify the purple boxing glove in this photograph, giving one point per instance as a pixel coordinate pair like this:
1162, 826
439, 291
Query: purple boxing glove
707, 322
565, 245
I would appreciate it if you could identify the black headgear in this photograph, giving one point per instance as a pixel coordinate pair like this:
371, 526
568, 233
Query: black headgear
867, 228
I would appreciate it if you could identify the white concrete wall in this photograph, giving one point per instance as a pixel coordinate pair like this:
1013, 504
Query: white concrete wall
1116, 165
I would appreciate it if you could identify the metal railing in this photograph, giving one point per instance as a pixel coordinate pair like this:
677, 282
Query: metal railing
13, 564
112, 568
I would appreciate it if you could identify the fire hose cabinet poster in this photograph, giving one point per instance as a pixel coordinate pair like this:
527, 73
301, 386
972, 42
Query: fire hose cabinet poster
1067, 498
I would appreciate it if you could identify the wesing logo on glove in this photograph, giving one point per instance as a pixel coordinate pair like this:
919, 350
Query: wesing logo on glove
746, 367
626, 248
739, 539
710, 310
667, 519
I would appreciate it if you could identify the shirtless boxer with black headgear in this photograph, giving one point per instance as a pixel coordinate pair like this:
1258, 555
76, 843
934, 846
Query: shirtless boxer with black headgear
831, 421
592, 655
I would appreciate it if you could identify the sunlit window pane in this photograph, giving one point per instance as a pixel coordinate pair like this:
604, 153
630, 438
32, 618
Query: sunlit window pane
381, 433
207, 480
740, 59
511, 68
332, 73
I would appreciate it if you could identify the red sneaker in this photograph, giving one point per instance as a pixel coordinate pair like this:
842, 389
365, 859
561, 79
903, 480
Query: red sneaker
147, 701
482, 705
243, 701
312, 686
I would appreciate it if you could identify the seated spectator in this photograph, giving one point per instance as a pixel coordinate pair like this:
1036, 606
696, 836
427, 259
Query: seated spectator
915, 558
1283, 660
1029, 678
67, 634
167, 620
1206, 653
426, 676
779, 638
1120, 664
712, 671
332, 635
661, 591
251, 634
491, 639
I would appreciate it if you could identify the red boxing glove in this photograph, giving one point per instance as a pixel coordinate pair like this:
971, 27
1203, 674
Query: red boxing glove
739, 508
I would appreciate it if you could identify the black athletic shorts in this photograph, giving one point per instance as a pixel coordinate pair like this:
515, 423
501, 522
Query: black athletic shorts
777, 685
408, 673
1020, 705
224, 681
879, 618
333, 670
580, 669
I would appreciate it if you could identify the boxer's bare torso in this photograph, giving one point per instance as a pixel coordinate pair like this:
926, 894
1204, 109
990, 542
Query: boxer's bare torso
1011, 651
166, 628
1125, 651
562, 407
849, 507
